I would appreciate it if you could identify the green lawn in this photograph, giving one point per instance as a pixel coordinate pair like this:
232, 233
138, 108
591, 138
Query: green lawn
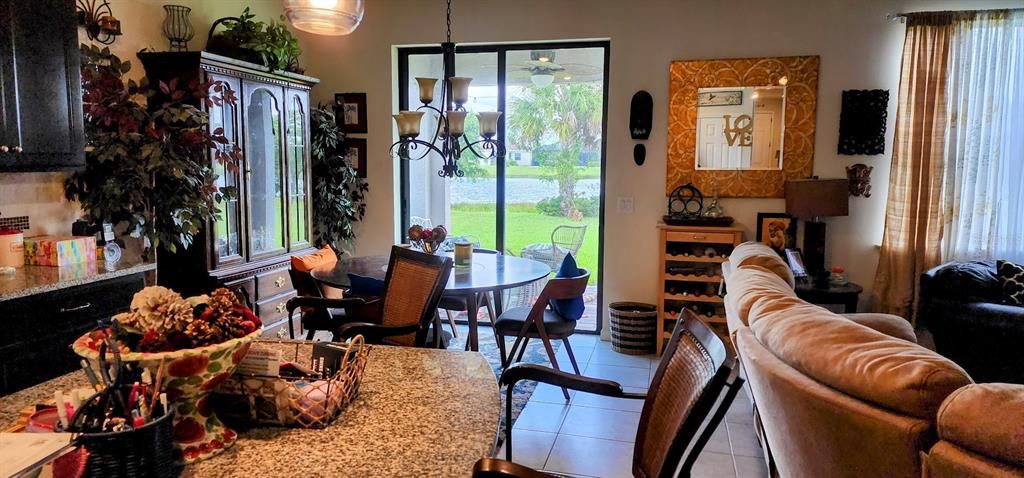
524, 226
518, 171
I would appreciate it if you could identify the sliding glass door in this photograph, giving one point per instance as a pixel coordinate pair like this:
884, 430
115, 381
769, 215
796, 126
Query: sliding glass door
545, 199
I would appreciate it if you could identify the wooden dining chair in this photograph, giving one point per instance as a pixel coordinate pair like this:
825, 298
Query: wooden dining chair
541, 321
403, 315
314, 319
458, 304
694, 370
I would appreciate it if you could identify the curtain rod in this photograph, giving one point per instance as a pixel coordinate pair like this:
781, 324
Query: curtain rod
902, 17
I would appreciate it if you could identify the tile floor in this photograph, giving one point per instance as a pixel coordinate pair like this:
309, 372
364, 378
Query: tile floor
592, 436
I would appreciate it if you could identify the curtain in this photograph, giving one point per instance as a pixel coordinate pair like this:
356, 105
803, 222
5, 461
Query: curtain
913, 225
983, 186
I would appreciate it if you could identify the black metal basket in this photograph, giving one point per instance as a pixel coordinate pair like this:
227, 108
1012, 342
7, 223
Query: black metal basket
145, 451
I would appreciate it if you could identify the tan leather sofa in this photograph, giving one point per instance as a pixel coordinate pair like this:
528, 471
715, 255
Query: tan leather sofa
854, 395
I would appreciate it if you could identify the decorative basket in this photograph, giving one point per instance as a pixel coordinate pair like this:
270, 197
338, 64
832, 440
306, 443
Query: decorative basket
246, 399
634, 327
144, 451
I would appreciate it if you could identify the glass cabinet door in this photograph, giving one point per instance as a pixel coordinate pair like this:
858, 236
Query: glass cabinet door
227, 229
264, 169
297, 143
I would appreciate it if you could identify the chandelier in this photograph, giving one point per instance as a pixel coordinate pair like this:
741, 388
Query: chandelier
449, 140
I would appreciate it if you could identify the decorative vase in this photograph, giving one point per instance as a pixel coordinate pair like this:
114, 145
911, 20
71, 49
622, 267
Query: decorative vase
189, 377
177, 27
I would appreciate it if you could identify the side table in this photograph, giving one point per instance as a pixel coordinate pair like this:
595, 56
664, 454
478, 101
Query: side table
824, 293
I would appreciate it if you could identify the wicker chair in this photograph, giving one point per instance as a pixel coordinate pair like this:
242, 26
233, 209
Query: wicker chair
565, 239
403, 316
694, 370
541, 321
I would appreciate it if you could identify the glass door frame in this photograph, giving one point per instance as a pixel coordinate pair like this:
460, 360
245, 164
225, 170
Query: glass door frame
501, 49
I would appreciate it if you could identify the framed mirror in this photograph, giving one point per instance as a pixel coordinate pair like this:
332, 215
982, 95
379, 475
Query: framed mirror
743, 125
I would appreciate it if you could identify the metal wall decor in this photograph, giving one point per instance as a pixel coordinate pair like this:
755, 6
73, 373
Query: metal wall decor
177, 27
862, 122
641, 112
739, 131
860, 179
98, 20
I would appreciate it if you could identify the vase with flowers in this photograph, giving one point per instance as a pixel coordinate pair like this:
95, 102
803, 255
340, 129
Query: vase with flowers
189, 346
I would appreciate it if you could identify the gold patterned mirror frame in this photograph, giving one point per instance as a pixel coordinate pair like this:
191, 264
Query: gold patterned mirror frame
687, 77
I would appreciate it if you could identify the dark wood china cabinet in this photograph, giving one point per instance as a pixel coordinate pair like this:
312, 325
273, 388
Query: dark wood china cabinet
269, 219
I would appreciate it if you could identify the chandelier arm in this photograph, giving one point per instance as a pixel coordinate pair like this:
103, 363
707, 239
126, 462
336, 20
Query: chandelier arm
405, 143
442, 123
496, 148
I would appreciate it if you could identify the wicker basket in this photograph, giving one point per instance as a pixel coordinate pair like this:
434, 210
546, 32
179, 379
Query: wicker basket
247, 400
145, 451
634, 326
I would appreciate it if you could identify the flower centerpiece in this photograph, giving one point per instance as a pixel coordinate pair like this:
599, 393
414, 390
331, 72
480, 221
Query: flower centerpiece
426, 239
190, 345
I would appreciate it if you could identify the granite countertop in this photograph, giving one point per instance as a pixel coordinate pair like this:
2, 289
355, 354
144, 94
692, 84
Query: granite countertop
420, 412
29, 280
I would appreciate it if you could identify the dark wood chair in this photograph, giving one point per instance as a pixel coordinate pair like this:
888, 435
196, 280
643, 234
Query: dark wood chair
541, 321
322, 318
694, 370
404, 314
458, 304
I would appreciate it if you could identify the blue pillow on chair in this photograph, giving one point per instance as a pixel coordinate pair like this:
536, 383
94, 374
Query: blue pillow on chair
365, 286
571, 309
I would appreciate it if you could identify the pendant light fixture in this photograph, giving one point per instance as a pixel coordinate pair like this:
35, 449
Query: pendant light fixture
324, 17
449, 140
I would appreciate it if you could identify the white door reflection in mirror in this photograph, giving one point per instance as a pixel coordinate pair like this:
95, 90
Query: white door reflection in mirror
740, 127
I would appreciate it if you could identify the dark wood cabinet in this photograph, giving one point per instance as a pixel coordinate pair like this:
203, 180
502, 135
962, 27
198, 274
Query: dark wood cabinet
40, 86
38, 330
269, 219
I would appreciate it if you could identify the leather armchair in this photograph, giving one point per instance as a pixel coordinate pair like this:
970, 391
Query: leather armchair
961, 304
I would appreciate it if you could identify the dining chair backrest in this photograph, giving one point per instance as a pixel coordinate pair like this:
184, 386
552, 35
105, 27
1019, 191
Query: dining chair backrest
693, 370
568, 238
412, 289
304, 283
560, 288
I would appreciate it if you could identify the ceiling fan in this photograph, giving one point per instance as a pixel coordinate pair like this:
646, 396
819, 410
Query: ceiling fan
542, 68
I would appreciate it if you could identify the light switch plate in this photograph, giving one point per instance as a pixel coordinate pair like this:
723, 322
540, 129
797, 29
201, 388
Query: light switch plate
626, 205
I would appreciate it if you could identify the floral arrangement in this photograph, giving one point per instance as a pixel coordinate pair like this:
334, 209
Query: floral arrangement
161, 320
427, 240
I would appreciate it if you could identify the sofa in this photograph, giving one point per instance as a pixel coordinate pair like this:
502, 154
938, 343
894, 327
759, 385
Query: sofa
962, 306
855, 395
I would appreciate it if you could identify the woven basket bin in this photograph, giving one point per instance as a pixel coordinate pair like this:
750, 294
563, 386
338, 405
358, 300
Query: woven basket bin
634, 326
145, 451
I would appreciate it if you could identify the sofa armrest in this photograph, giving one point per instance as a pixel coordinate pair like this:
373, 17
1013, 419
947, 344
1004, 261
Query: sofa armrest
888, 324
987, 419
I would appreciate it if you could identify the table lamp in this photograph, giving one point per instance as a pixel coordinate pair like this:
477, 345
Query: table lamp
811, 199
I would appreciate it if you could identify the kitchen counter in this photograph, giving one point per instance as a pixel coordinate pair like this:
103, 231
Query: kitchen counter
420, 412
30, 280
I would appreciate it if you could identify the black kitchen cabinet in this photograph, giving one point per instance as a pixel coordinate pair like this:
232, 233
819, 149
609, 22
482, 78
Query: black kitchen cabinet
41, 126
36, 331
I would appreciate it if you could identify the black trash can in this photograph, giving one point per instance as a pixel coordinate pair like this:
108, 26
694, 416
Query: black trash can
634, 326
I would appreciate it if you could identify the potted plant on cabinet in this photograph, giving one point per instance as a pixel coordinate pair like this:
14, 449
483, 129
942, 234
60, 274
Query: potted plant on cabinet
146, 153
339, 194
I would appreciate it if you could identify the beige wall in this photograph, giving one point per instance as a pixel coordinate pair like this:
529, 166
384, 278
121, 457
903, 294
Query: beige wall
858, 49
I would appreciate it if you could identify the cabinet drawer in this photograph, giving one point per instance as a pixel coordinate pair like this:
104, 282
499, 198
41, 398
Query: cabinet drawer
244, 288
272, 309
271, 284
706, 237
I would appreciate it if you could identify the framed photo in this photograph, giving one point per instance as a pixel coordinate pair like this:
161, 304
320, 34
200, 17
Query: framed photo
796, 263
778, 230
719, 98
350, 112
355, 154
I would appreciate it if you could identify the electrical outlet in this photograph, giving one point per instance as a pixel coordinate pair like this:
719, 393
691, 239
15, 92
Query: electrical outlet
626, 205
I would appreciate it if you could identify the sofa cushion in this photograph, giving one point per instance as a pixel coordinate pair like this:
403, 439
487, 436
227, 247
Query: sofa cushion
888, 324
751, 284
1011, 277
856, 360
758, 254
986, 418
975, 281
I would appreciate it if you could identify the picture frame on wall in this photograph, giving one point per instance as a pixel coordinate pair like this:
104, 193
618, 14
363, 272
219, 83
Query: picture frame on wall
350, 112
777, 230
355, 154
720, 98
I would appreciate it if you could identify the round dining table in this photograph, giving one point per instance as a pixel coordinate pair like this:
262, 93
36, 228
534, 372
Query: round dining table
487, 273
